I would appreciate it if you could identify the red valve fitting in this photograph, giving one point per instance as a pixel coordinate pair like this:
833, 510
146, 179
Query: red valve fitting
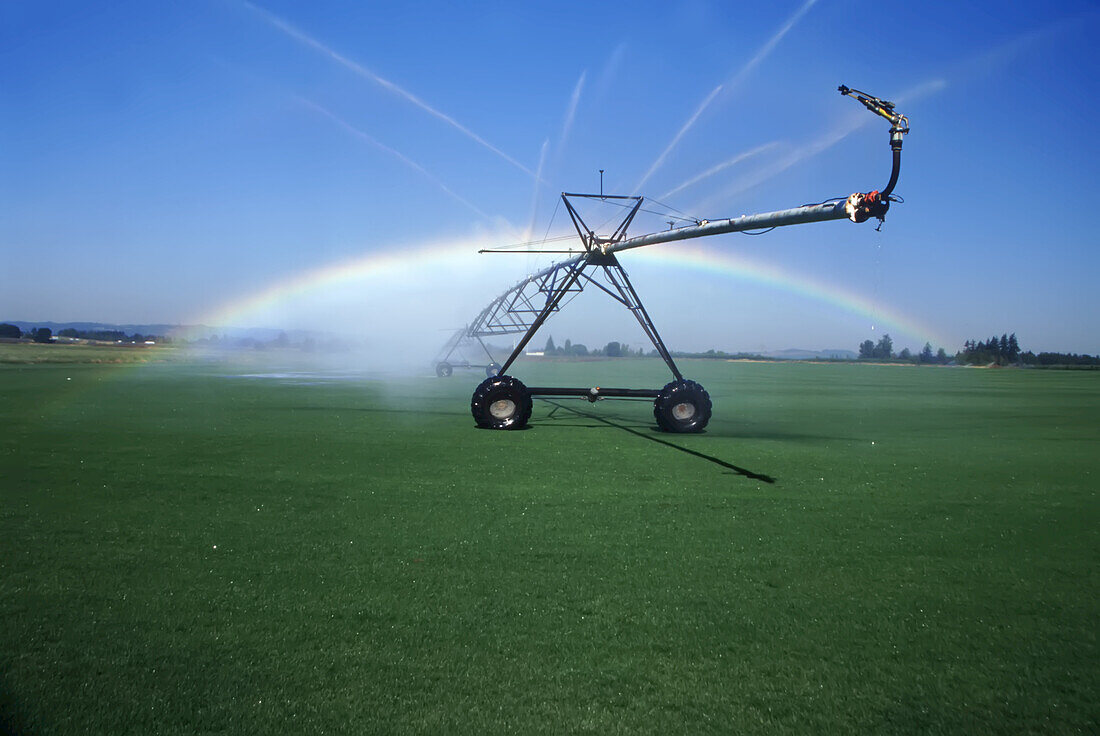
862, 207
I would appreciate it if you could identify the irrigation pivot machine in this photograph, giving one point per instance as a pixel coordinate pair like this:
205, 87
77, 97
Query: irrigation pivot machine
504, 402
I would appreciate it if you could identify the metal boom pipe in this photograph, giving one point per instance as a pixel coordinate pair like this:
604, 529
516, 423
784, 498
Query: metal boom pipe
779, 218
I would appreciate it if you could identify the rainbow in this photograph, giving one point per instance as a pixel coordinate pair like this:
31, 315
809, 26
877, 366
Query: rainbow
242, 311
739, 266
455, 256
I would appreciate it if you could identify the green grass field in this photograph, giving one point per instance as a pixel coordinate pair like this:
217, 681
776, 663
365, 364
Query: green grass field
35, 354
186, 549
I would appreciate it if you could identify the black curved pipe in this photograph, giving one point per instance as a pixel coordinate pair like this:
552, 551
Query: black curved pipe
893, 173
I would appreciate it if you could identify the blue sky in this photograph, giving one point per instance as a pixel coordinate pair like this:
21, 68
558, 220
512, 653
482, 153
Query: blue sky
162, 160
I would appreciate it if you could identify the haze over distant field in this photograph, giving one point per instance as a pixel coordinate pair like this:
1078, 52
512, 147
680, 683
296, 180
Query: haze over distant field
337, 165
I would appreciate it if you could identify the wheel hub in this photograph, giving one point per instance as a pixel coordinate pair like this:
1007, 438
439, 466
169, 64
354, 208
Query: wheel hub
502, 408
683, 412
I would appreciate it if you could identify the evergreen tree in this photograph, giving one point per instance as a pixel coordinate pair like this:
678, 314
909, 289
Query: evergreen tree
885, 348
550, 346
1013, 348
866, 350
941, 356
926, 353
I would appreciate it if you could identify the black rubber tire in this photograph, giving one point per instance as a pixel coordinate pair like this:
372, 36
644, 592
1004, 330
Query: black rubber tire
444, 370
682, 406
501, 402
492, 369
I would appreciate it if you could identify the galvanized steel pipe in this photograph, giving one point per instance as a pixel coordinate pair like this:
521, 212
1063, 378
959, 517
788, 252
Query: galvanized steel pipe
795, 216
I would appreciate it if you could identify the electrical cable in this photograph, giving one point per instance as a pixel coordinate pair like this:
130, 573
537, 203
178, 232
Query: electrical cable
518, 247
685, 218
670, 207
830, 200
551, 223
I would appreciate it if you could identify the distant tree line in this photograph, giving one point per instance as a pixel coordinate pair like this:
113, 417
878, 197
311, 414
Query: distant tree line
1000, 351
1059, 359
38, 334
612, 349
111, 336
10, 331
715, 354
45, 334
616, 349
1003, 350
884, 350
281, 342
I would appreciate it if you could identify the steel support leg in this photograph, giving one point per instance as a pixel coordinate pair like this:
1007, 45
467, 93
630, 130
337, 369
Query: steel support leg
618, 278
486, 349
552, 301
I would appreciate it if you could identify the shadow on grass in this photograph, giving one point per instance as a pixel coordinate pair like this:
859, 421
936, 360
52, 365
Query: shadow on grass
638, 433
